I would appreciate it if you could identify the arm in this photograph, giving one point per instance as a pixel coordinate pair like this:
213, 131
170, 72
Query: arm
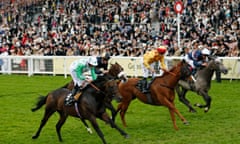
79, 71
197, 63
163, 65
93, 74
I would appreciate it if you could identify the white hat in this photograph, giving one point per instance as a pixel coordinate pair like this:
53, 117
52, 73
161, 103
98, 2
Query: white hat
205, 51
92, 61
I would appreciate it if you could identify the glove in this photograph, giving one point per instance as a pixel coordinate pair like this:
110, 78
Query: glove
88, 79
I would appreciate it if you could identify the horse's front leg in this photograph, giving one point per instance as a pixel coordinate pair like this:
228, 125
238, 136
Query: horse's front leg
95, 125
181, 92
107, 119
112, 109
207, 99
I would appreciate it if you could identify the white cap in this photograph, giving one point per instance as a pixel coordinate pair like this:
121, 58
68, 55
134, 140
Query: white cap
205, 51
92, 61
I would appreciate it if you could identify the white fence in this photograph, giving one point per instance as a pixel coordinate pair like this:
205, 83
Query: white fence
59, 65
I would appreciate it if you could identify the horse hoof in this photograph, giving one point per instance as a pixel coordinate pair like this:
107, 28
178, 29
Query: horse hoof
206, 109
186, 123
34, 137
192, 111
126, 136
198, 105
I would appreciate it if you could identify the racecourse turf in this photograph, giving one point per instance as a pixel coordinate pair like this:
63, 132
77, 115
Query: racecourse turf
146, 124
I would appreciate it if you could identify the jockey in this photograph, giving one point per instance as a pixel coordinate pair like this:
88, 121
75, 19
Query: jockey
149, 59
102, 61
197, 59
77, 70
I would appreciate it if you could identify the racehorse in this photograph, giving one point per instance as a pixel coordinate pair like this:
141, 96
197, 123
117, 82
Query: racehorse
89, 107
161, 91
117, 72
202, 84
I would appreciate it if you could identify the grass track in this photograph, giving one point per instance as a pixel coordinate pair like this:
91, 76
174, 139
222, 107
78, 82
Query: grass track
146, 124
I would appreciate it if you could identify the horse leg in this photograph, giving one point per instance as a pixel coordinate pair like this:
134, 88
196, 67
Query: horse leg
122, 107
106, 118
61, 121
207, 99
112, 109
86, 126
93, 121
172, 109
182, 98
48, 113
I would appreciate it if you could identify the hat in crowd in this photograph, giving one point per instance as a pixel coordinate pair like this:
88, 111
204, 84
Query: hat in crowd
194, 41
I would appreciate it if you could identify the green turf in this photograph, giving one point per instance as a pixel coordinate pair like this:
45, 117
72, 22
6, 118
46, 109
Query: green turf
146, 124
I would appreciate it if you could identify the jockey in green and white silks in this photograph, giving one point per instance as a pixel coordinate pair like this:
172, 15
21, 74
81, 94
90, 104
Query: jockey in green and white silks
79, 68
78, 71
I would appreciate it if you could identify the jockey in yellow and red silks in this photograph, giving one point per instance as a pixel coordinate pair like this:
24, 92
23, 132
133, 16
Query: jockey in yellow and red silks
149, 59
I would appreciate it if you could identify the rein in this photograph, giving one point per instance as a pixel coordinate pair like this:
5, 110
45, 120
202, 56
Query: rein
171, 73
95, 87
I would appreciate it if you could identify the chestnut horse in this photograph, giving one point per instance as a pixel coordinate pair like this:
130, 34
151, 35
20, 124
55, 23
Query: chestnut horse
202, 84
161, 91
90, 106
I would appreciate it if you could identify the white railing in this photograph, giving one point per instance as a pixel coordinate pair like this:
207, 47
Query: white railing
59, 65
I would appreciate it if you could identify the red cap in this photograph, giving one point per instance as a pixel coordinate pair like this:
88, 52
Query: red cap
162, 49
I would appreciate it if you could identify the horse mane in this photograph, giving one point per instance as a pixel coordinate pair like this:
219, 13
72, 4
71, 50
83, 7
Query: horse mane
100, 81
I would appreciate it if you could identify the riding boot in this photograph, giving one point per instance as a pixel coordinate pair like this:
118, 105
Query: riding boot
70, 98
144, 85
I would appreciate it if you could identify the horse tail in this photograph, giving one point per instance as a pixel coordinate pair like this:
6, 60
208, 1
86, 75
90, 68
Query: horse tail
41, 101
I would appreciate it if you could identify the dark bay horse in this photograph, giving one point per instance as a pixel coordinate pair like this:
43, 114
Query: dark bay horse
117, 72
90, 106
202, 84
161, 91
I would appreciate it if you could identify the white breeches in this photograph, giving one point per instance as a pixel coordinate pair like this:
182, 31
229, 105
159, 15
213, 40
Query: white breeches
147, 72
77, 81
189, 61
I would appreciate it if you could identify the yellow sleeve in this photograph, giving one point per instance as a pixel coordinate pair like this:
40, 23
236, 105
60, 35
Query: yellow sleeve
163, 65
147, 59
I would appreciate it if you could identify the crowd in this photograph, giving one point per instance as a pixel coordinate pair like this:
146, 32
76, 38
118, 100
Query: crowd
118, 28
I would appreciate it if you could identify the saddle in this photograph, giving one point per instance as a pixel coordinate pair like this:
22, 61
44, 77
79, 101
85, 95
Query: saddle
77, 95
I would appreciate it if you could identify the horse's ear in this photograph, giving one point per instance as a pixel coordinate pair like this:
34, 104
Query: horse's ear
118, 81
183, 61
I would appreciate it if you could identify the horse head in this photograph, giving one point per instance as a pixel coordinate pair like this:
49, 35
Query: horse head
117, 71
108, 86
217, 65
111, 90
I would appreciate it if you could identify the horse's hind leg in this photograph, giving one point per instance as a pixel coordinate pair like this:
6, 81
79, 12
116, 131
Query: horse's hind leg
182, 97
61, 121
48, 113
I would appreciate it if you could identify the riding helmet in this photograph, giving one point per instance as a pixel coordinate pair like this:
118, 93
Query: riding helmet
205, 51
162, 49
92, 61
